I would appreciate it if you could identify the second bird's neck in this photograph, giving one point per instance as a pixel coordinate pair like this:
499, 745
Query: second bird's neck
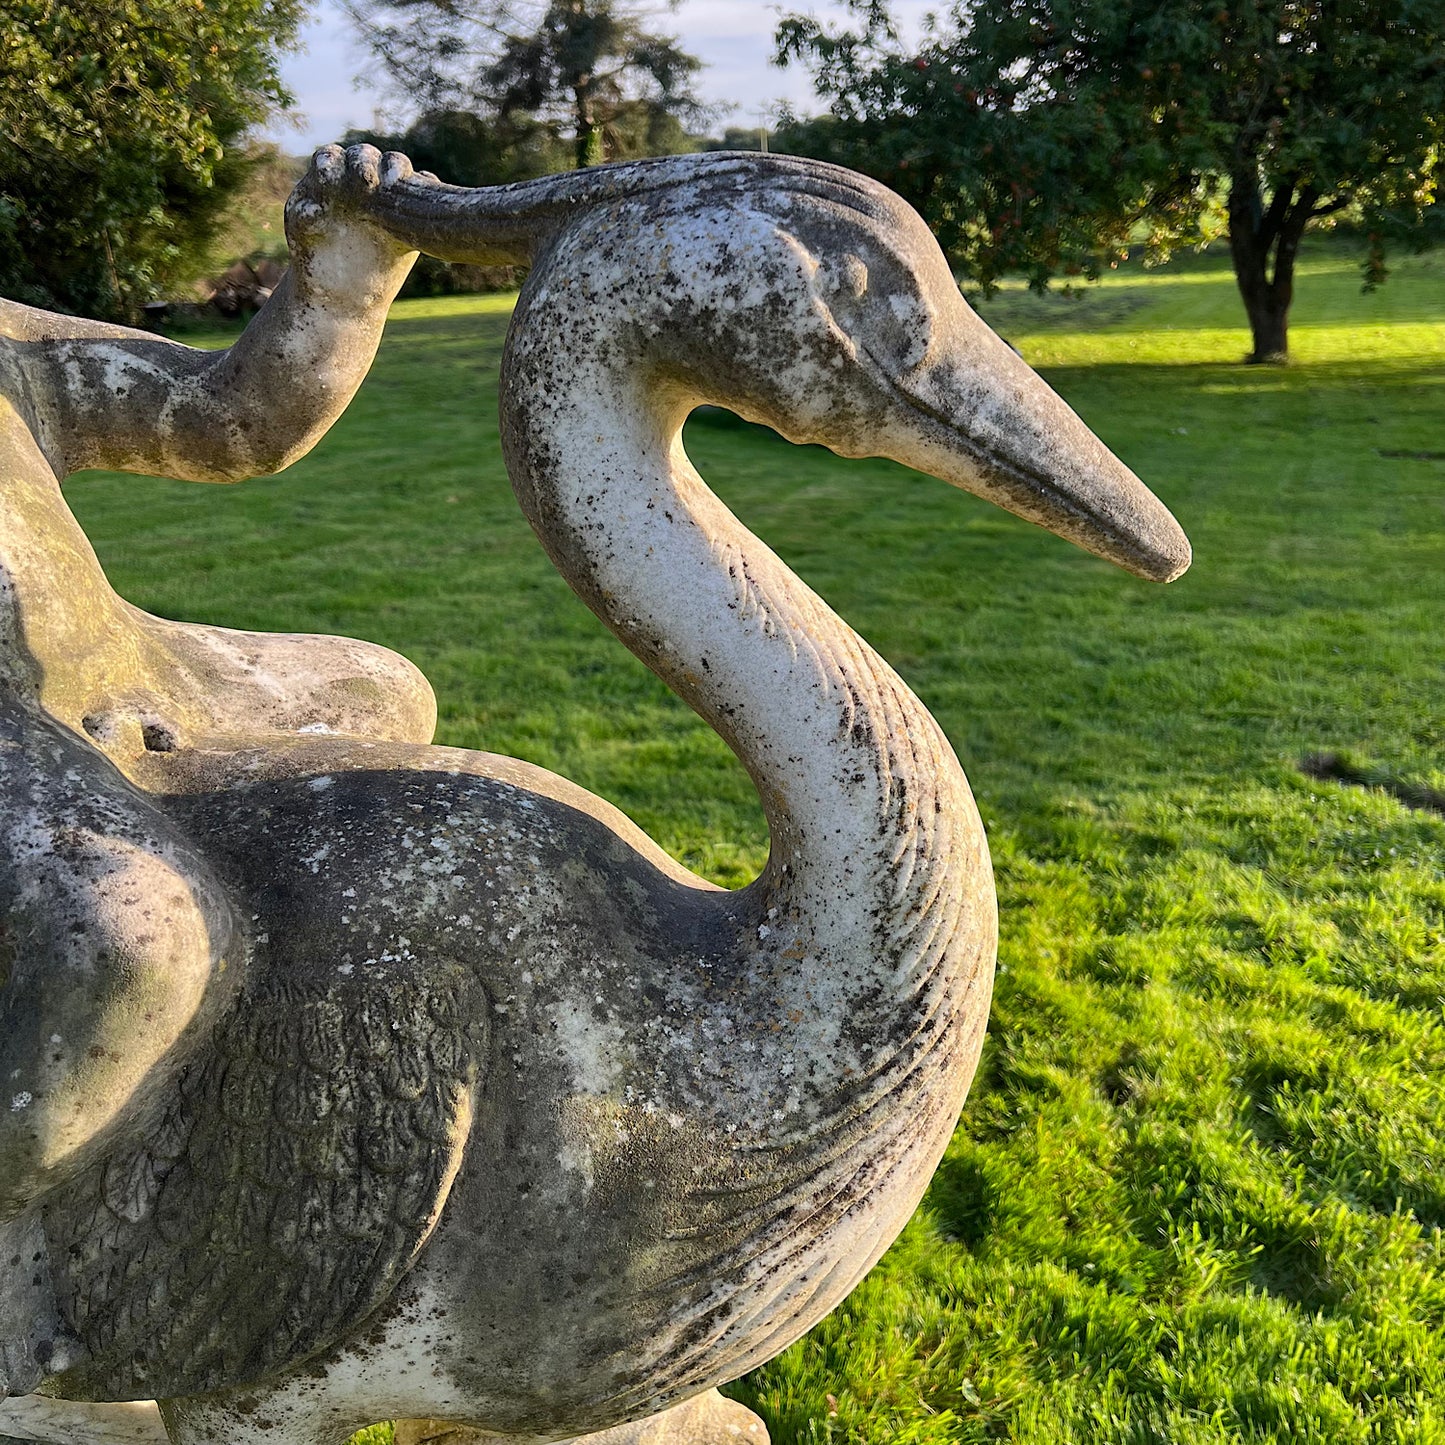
875, 840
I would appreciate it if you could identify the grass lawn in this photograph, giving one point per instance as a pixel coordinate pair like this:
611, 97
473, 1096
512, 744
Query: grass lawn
1196, 1194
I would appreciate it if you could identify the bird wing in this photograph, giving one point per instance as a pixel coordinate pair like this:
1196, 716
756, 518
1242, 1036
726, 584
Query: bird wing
301, 1166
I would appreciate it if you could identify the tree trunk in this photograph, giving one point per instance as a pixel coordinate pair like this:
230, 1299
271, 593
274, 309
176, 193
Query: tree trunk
1269, 325
589, 129
589, 146
1257, 238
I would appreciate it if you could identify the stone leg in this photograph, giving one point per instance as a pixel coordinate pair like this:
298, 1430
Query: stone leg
234, 1418
710, 1419
28, 1418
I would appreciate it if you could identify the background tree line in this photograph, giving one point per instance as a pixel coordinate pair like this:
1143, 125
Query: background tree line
1046, 136
125, 122
1042, 137
122, 123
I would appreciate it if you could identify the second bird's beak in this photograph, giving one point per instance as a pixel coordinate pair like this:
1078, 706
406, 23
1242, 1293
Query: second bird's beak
975, 414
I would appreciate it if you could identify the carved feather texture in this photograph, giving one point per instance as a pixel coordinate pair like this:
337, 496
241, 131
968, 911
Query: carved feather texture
301, 1165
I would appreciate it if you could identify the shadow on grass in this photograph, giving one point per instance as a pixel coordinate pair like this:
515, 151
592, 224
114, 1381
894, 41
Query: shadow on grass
1329, 290
1410, 369
1341, 768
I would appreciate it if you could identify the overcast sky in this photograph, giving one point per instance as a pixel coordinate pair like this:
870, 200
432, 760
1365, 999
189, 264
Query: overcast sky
734, 38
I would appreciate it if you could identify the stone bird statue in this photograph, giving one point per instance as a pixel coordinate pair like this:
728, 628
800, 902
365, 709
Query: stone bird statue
350, 1078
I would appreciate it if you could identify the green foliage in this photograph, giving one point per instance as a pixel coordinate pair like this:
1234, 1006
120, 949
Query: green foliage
253, 225
121, 119
591, 67
1195, 1195
1038, 136
374, 1435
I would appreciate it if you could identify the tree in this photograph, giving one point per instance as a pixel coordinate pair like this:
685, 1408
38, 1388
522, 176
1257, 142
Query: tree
1044, 134
121, 121
590, 66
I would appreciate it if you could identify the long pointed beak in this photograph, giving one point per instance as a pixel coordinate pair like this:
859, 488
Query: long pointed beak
976, 415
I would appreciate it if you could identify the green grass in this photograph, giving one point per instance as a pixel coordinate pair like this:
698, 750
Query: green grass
1196, 1193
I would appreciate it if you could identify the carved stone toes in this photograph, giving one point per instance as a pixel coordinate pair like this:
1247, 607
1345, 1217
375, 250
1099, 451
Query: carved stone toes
710, 1419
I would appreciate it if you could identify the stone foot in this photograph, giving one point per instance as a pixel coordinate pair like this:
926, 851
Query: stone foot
710, 1419
62, 1422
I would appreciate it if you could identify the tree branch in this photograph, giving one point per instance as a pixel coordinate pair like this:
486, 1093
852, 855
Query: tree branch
1274, 218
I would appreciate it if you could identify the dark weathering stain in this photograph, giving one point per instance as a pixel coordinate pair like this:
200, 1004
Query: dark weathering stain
1337, 768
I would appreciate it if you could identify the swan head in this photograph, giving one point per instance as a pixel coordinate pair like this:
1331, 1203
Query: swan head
807, 297
837, 321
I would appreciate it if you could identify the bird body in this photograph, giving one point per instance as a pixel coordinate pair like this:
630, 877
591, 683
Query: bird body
720, 1156
510, 1119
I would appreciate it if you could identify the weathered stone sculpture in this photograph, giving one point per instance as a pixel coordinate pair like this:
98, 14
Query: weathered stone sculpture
349, 1078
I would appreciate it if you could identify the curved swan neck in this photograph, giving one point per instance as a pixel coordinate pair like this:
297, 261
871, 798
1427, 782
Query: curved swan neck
863, 795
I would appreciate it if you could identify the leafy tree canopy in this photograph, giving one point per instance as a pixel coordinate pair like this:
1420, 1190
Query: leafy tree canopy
121, 120
1041, 135
591, 67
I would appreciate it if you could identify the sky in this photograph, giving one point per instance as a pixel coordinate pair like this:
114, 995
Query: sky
734, 37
